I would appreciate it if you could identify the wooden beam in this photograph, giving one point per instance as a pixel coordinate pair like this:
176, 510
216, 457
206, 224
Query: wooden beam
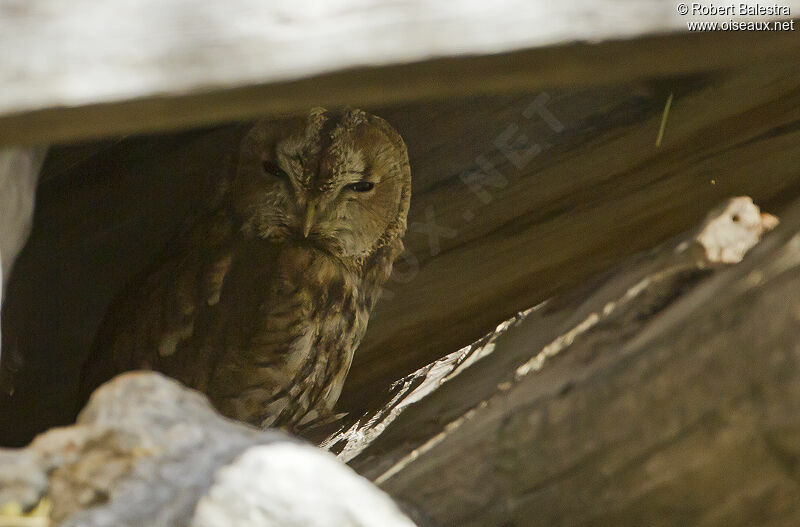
598, 191
123, 67
664, 394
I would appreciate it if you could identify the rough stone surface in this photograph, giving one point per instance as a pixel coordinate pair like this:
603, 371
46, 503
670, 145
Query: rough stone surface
145, 450
305, 489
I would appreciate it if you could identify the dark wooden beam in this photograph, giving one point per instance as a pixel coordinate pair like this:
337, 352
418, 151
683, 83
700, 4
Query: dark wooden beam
664, 394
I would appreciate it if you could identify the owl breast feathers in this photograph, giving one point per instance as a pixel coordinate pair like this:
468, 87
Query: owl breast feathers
262, 302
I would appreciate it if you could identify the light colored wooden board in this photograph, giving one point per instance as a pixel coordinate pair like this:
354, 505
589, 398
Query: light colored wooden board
125, 66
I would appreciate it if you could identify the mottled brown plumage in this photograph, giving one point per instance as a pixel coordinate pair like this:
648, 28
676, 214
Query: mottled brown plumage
262, 303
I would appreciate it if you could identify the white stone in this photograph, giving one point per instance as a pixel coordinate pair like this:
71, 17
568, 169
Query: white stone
294, 485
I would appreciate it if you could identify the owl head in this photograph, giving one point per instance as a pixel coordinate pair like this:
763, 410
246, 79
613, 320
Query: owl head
338, 181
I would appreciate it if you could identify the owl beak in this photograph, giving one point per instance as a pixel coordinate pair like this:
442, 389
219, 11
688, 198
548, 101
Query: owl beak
310, 209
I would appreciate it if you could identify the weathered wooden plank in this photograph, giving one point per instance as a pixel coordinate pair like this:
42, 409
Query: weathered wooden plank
130, 66
664, 394
598, 191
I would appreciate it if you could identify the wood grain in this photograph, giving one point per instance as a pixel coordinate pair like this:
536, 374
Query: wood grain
598, 192
127, 66
678, 407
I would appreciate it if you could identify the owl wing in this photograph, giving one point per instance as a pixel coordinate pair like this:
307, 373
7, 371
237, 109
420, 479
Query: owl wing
198, 286
184, 291
158, 311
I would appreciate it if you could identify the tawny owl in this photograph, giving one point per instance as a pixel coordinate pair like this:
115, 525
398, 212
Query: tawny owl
263, 302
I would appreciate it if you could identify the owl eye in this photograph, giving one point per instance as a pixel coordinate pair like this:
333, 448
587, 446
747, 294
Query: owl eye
272, 168
361, 186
